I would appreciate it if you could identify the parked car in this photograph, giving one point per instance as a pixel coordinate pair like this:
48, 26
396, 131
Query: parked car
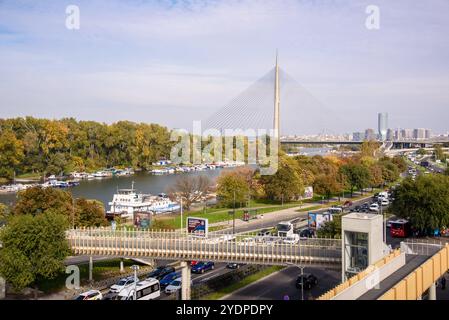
202, 267
384, 202
111, 296
307, 279
165, 281
90, 295
122, 284
357, 208
160, 272
193, 262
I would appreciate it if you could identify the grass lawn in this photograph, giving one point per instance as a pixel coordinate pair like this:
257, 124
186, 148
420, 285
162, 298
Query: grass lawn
34, 176
248, 280
101, 270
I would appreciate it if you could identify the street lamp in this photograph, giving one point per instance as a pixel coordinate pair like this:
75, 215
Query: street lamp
135, 267
302, 277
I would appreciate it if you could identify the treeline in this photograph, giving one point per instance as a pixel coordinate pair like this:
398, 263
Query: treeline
328, 175
30, 145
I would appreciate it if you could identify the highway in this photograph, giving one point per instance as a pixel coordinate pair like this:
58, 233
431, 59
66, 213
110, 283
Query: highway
279, 284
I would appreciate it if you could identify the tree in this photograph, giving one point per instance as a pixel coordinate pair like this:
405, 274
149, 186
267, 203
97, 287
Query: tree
327, 185
34, 249
37, 200
369, 148
286, 183
390, 171
376, 173
421, 152
90, 213
331, 229
439, 153
190, 188
231, 184
11, 153
4, 213
425, 201
357, 176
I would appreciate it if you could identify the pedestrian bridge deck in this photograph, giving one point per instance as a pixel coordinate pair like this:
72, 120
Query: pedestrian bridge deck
220, 247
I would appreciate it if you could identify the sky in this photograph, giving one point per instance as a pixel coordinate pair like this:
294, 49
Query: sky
173, 62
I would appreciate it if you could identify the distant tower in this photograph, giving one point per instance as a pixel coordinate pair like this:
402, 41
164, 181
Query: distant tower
383, 125
276, 125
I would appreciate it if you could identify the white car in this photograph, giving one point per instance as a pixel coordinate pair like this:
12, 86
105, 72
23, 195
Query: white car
122, 284
90, 295
385, 202
175, 286
291, 239
374, 207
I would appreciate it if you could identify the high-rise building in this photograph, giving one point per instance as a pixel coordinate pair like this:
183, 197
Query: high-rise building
390, 135
406, 134
358, 136
370, 134
419, 134
382, 125
428, 133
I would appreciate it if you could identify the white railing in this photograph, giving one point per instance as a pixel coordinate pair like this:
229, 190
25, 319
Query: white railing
219, 246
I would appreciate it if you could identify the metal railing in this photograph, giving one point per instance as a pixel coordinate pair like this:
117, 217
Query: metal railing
218, 246
425, 247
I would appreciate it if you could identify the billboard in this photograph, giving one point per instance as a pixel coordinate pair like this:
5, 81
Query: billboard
316, 220
142, 219
197, 227
308, 193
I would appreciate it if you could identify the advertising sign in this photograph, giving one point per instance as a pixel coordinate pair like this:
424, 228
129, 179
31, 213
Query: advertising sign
142, 219
316, 220
308, 193
197, 227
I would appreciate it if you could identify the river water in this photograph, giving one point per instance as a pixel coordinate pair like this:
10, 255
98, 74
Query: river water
104, 189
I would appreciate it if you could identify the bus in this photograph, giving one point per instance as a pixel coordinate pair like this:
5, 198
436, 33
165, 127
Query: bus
400, 228
148, 289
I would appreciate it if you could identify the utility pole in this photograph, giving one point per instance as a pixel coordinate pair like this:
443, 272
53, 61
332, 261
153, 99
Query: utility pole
233, 217
181, 217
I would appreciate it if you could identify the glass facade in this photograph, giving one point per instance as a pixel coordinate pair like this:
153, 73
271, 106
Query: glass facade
356, 252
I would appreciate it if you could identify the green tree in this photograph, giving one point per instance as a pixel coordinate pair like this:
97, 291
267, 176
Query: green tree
90, 213
4, 213
439, 153
425, 201
34, 249
327, 185
286, 183
11, 153
331, 229
421, 152
37, 200
230, 184
357, 176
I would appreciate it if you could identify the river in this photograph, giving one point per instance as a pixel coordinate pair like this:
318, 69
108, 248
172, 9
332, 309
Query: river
104, 189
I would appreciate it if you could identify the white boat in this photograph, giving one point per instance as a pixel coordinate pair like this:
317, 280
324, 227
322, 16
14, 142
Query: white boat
126, 202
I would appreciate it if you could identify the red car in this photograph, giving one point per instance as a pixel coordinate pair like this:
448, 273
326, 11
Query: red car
193, 263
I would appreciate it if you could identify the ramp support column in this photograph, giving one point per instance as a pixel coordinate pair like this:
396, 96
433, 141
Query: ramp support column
433, 292
185, 283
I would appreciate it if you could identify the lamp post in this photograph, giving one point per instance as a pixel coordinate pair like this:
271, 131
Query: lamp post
233, 217
181, 216
302, 277
135, 268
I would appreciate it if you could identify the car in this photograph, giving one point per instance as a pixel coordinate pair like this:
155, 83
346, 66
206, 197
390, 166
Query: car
374, 207
384, 202
307, 280
174, 286
202, 267
293, 239
233, 265
264, 232
357, 208
122, 284
90, 295
160, 272
111, 296
165, 281
193, 263
306, 233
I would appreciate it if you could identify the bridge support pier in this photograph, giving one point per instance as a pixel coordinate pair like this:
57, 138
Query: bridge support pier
433, 292
185, 281
2, 288
122, 267
91, 266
